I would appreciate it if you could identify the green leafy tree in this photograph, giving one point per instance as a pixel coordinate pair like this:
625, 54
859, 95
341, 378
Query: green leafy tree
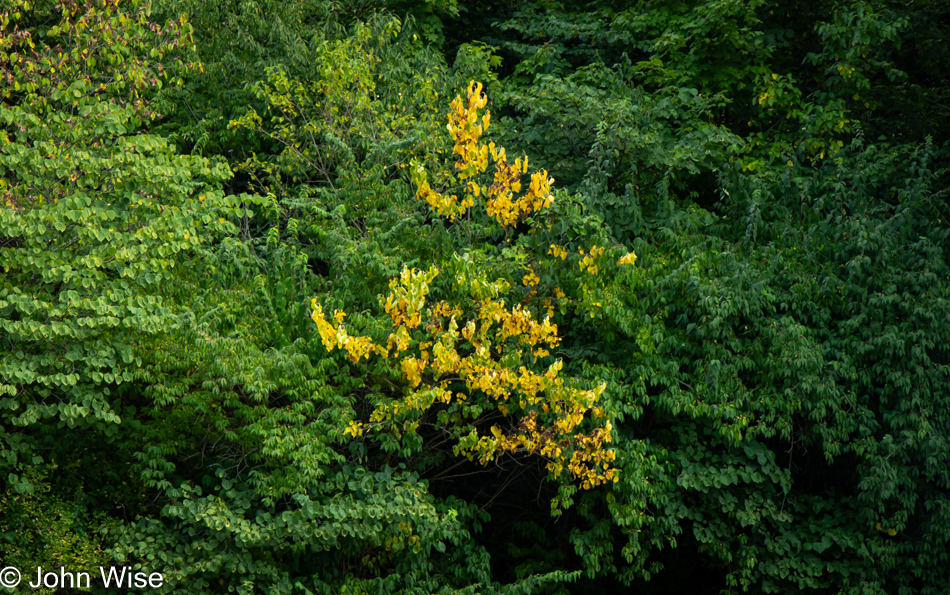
95, 213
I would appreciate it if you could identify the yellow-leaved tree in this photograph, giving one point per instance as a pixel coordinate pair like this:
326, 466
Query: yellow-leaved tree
482, 365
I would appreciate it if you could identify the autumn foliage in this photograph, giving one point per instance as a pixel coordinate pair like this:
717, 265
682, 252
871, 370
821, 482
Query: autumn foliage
500, 196
480, 356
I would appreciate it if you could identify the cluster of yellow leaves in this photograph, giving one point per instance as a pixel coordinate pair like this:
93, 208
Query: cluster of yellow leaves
531, 279
466, 128
501, 196
628, 259
589, 462
336, 337
589, 261
408, 296
485, 352
557, 251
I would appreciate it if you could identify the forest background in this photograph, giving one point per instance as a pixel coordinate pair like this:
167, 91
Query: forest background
269, 325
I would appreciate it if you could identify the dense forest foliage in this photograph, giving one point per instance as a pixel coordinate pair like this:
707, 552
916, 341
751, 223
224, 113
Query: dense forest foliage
438, 296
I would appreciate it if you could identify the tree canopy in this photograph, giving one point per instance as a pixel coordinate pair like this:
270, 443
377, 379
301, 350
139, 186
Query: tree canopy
477, 297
